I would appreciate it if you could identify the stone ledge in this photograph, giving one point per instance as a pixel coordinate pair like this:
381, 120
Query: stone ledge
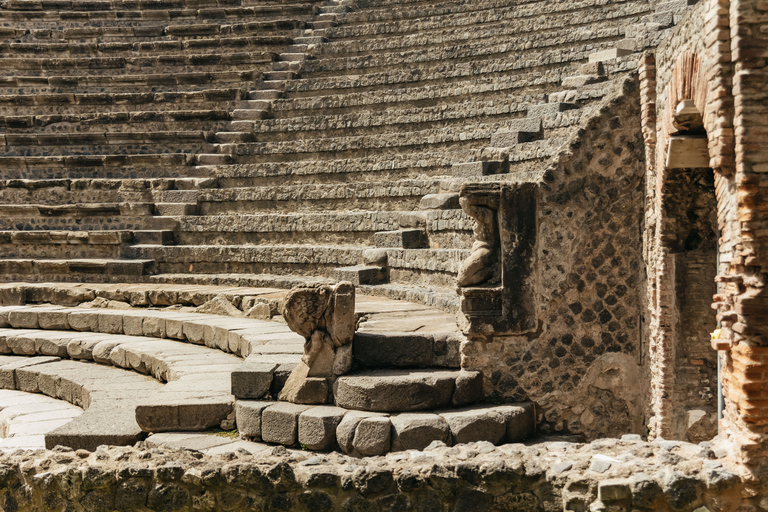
363, 433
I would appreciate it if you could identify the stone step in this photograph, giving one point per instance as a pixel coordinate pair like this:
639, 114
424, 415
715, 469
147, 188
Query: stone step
608, 55
407, 350
191, 81
332, 227
239, 336
402, 238
361, 274
107, 394
265, 94
402, 165
214, 159
160, 105
175, 209
279, 75
443, 299
435, 268
64, 47
379, 195
154, 237
196, 396
361, 433
48, 237
27, 417
41, 269
248, 114
407, 390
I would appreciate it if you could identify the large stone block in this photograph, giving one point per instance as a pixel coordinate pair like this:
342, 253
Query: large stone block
473, 424
317, 427
248, 417
252, 380
520, 420
345, 432
372, 436
415, 431
280, 423
395, 390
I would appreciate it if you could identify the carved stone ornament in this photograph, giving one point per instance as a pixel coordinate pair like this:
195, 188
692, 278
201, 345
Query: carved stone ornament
497, 282
325, 316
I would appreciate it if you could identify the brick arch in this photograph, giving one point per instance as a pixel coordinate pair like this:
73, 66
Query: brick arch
691, 79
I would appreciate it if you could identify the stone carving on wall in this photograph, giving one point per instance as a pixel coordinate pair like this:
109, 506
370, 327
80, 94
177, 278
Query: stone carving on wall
482, 266
325, 316
497, 282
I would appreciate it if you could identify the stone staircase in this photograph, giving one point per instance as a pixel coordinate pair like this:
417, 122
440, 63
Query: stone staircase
336, 156
136, 367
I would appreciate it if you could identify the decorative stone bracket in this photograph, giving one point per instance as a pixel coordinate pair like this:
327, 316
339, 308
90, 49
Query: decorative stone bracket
325, 316
497, 282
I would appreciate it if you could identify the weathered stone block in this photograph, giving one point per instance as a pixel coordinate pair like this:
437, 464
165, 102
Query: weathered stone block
279, 423
84, 320
317, 427
415, 431
520, 419
473, 424
345, 432
445, 201
401, 239
248, 417
252, 380
468, 388
53, 320
372, 436
23, 319
361, 274
110, 323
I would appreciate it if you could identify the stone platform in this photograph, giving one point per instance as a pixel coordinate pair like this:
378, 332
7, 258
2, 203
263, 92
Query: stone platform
188, 358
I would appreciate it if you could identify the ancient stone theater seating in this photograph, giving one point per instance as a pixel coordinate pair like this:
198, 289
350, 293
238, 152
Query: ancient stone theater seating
177, 142
221, 143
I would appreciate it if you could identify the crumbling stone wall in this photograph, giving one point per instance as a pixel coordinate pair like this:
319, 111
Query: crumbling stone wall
552, 476
578, 364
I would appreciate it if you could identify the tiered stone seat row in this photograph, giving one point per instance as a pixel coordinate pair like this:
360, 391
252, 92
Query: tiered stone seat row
370, 95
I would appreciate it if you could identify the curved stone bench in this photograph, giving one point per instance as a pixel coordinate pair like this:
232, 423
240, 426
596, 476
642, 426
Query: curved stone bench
196, 397
108, 395
25, 418
235, 335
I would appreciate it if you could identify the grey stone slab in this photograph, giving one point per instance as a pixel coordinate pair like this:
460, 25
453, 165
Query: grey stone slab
395, 390
403, 239
479, 423
279, 423
23, 319
111, 323
345, 431
85, 320
248, 416
252, 380
97, 426
360, 274
372, 436
415, 431
443, 201
317, 427
520, 420
392, 349
468, 388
